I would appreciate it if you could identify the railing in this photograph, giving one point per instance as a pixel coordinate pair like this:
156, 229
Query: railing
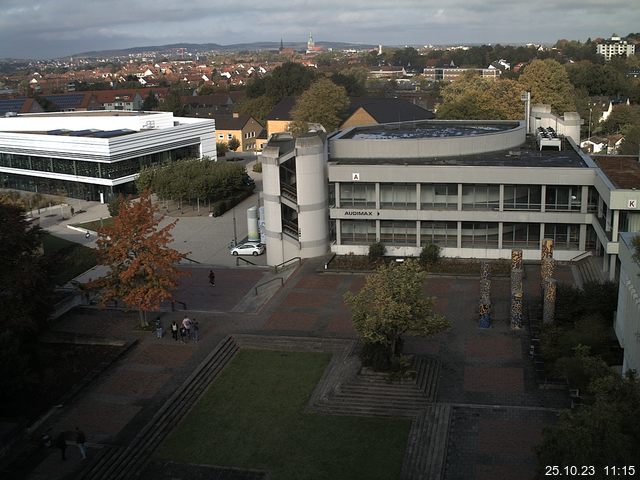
268, 282
286, 263
582, 256
244, 260
192, 260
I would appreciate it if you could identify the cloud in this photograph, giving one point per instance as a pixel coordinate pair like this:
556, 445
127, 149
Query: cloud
44, 28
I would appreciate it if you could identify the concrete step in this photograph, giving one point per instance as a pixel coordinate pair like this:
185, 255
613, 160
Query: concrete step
129, 461
427, 444
362, 411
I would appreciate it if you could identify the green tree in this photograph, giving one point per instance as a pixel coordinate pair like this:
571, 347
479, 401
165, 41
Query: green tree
221, 148
392, 303
26, 294
631, 142
150, 102
324, 103
290, 79
234, 144
258, 107
604, 433
621, 119
142, 267
549, 83
474, 98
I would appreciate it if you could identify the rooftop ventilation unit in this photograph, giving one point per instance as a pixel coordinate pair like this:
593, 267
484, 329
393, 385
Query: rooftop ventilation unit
547, 137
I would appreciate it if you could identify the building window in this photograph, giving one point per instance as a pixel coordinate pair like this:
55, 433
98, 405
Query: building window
563, 198
592, 201
439, 196
221, 136
358, 195
521, 235
398, 233
229, 136
522, 197
480, 197
443, 234
400, 196
479, 235
564, 236
357, 232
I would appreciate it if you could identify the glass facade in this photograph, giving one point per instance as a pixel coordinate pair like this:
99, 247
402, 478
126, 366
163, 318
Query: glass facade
480, 197
522, 197
357, 194
479, 235
442, 196
398, 232
563, 198
399, 196
565, 236
82, 168
358, 232
443, 234
108, 170
521, 235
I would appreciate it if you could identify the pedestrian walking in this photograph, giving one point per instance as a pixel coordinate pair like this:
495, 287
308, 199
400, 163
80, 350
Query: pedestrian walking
186, 324
159, 331
212, 278
174, 330
196, 330
81, 440
183, 333
61, 443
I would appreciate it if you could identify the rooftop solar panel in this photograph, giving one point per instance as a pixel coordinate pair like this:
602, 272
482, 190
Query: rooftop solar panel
11, 105
66, 102
112, 133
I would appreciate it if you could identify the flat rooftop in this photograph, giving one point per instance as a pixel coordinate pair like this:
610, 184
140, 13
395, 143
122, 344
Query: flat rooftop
407, 130
622, 170
526, 155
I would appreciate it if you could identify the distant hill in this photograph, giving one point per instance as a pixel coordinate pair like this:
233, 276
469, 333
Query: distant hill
207, 47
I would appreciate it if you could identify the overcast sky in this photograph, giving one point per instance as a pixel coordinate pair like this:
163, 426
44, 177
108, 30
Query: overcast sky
53, 28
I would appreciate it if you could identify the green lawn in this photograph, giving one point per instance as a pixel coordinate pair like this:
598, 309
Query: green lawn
252, 417
70, 259
95, 225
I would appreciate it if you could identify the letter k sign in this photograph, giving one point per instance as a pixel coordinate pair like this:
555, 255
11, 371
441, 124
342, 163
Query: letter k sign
632, 203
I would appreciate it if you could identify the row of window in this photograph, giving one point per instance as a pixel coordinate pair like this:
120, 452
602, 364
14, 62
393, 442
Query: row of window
82, 168
472, 234
474, 197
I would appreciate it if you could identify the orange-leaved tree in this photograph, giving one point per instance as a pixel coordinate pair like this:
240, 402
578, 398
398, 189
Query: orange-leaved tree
142, 266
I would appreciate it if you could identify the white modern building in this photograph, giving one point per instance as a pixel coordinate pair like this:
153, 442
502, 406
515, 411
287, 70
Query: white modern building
476, 188
95, 154
627, 320
615, 47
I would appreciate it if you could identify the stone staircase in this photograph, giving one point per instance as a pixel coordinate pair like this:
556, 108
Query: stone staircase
128, 462
427, 445
369, 393
588, 270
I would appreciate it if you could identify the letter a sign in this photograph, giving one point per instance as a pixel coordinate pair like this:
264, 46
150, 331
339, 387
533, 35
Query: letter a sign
355, 177
632, 203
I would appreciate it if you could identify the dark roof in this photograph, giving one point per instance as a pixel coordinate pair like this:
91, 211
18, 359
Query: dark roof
282, 111
389, 110
68, 101
11, 105
229, 122
215, 99
622, 170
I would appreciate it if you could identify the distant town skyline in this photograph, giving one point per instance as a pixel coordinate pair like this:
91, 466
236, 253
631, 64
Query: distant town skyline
56, 28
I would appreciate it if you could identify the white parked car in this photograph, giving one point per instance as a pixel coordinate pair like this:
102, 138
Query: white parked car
248, 249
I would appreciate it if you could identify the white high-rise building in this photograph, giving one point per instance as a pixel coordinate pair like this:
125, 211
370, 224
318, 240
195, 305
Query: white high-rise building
614, 47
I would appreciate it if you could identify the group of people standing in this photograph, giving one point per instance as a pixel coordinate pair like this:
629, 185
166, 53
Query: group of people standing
189, 329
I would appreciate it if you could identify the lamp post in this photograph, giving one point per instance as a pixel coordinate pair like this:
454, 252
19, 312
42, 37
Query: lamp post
590, 112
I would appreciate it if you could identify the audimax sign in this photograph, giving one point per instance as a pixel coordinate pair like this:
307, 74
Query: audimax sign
360, 213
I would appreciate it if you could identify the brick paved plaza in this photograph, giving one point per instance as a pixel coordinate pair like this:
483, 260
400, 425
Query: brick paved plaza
498, 412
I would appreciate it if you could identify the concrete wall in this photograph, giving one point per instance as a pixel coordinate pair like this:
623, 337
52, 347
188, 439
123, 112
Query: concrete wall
312, 189
627, 322
567, 125
428, 147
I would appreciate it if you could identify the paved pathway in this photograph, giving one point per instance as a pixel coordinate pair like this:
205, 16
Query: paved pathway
498, 412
